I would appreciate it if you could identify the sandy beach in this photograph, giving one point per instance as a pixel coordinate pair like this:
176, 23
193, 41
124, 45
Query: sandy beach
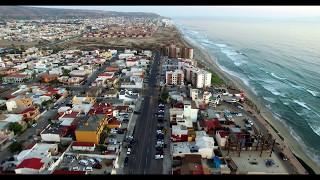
235, 82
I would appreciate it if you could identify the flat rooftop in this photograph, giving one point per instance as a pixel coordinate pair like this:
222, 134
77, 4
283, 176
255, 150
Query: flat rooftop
250, 162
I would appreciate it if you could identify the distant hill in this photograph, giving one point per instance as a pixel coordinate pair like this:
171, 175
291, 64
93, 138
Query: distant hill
23, 12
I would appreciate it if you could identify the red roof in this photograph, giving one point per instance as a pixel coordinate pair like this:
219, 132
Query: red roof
27, 110
115, 122
33, 163
215, 124
86, 144
17, 76
199, 170
223, 134
71, 115
68, 172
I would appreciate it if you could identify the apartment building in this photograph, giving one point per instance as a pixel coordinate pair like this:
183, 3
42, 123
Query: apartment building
175, 77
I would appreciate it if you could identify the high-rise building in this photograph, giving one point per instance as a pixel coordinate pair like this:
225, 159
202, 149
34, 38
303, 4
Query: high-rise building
174, 77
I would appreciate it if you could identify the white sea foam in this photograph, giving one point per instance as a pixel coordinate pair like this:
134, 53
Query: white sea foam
303, 104
277, 76
270, 99
221, 45
272, 89
314, 93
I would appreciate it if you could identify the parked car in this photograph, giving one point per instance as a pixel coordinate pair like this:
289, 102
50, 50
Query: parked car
283, 157
75, 168
97, 166
88, 168
137, 112
34, 125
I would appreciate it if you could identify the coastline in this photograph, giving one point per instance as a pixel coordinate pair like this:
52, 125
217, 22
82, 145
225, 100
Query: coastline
289, 141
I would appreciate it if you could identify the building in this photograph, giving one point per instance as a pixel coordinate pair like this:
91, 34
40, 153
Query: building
19, 104
16, 78
83, 146
30, 166
90, 128
49, 77
31, 114
83, 100
175, 77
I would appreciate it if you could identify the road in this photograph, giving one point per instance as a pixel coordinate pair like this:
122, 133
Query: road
142, 161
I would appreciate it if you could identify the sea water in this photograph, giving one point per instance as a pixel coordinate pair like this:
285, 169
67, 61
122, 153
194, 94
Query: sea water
278, 60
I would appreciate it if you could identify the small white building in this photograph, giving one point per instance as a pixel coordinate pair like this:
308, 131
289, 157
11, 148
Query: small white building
83, 146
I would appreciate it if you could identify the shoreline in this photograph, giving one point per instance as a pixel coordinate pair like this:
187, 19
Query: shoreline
290, 142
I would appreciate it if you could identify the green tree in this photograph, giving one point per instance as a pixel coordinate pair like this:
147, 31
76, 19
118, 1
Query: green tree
15, 147
164, 94
54, 82
15, 127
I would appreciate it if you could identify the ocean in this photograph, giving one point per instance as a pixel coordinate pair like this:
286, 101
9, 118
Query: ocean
278, 60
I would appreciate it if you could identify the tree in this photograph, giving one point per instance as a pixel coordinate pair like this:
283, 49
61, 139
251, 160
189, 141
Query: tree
15, 147
164, 94
15, 127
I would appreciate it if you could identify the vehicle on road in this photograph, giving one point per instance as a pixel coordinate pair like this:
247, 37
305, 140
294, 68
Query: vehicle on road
126, 161
34, 125
129, 151
283, 157
158, 156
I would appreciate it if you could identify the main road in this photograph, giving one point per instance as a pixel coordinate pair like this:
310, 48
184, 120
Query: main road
142, 160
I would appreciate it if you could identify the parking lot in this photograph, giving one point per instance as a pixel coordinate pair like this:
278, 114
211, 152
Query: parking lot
72, 162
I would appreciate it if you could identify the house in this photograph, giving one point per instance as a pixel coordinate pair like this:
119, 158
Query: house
54, 133
111, 94
83, 146
16, 78
205, 144
83, 100
30, 166
9, 71
190, 110
191, 164
19, 103
221, 137
94, 91
35, 158
49, 77
31, 114
212, 125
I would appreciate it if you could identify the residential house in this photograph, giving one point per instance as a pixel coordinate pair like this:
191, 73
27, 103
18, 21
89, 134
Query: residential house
31, 114
16, 78
83, 146
49, 77
83, 100
54, 133
19, 103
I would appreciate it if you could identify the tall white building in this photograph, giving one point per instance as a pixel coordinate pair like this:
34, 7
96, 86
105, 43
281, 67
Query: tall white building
174, 77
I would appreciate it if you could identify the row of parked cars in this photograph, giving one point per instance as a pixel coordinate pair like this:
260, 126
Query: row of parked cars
89, 163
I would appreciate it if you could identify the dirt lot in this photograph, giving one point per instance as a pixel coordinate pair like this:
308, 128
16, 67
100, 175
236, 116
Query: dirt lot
161, 37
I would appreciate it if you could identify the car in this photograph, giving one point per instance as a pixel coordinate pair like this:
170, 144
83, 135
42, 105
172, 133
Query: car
129, 151
158, 156
83, 162
237, 126
13, 140
126, 161
250, 122
97, 166
137, 112
64, 101
75, 168
92, 161
283, 157
88, 168
112, 140
55, 107
125, 120
34, 125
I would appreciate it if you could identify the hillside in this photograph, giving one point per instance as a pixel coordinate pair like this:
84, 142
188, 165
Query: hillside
23, 12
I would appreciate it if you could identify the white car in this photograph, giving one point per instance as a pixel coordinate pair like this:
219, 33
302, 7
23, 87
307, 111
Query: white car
129, 151
75, 168
88, 168
158, 156
34, 125
250, 122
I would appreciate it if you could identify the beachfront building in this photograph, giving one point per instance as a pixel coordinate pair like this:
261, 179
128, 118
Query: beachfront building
174, 51
174, 77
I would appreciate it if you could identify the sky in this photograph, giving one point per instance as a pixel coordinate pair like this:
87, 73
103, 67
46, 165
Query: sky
208, 11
